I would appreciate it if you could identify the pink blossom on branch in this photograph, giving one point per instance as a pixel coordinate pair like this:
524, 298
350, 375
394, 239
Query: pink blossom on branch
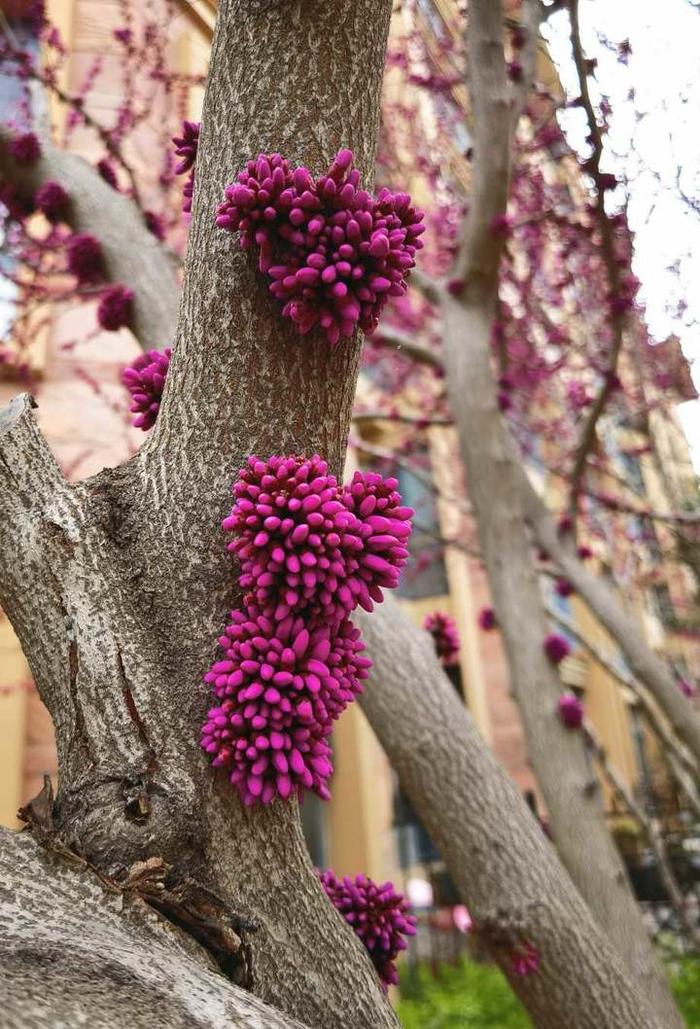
556, 647
570, 710
443, 629
52, 200
333, 254
377, 913
25, 148
85, 258
487, 619
145, 379
114, 308
186, 148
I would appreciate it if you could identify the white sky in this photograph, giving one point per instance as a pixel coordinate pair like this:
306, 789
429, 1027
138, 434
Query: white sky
651, 137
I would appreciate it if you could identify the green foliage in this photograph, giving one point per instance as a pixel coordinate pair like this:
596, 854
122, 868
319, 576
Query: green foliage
685, 983
476, 996
465, 996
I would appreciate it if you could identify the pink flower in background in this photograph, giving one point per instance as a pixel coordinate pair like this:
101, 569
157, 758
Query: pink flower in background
25, 147
443, 629
487, 619
556, 647
52, 200
570, 710
85, 258
114, 308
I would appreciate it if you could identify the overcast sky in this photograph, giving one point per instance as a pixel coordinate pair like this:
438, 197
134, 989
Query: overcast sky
651, 137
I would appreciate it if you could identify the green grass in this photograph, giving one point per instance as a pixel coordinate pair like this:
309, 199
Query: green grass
465, 996
475, 996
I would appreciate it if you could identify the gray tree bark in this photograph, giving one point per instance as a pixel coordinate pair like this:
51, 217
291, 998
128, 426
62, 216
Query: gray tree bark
118, 586
494, 477
74, 952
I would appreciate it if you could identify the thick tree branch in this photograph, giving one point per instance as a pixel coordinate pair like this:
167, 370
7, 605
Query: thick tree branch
494, 478
75, 953
133, 255
499, 858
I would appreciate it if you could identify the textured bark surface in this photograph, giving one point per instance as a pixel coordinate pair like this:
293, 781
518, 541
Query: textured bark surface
501, 862
133, 255
74, 953
119, 586
494, 477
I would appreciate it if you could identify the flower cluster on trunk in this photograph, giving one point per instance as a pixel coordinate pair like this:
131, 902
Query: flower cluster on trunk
310, 552
332, 253
443, 629
377, 913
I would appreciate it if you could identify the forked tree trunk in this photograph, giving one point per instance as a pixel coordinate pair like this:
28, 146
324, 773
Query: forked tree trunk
119, 586
494, 479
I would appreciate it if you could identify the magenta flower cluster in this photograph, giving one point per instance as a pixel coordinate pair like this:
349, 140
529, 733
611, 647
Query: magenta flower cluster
556, 647
186, 148
52, 200
85, 257
487, 619
332, 253
443, 629
378, 915
525, 959
570, 710
145, 379
25, 148
114, 307
310, 552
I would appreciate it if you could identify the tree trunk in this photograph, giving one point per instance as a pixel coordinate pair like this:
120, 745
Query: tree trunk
75, 953
119, 586
500, 860
494, 474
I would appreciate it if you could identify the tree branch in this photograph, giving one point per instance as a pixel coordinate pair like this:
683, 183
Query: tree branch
133, 256
498, 856
74, 953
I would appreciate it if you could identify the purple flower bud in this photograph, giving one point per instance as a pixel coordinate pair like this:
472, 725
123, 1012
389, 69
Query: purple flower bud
556, 647
570, 710
445, 637
85, 259
114, 307
52, 200
25, 148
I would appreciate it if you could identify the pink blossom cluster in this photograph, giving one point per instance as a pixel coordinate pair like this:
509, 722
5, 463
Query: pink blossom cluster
570, 710
25, 147
145, 379
556, 647
525, 959
332, 253
487, 619
377, 913
443, 629
186, 148
85, 258
114, 308
310, 552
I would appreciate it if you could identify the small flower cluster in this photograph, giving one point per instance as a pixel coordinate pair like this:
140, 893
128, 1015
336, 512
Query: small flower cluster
145, 379
114, 307
378, 914
556, 647
570, 710
525, 959
25, 148
310, 552
186, 147
85, 258
52, 200
332, 253
443, 629
487, 619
